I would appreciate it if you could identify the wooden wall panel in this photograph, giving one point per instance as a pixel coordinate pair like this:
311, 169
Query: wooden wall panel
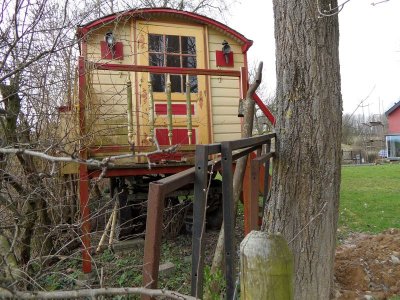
225, 91
225, 111
122, 34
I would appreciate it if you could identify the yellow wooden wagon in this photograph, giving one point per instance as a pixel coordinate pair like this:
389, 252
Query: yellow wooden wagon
149, 79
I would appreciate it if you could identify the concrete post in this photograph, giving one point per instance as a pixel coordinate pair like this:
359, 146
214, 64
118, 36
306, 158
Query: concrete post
266, 267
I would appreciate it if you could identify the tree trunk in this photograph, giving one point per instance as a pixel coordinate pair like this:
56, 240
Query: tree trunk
32, 196
305, 190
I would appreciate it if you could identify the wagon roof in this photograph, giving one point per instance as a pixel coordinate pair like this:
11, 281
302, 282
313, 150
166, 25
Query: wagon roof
146, 13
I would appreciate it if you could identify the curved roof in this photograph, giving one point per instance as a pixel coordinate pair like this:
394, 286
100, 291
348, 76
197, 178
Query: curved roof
146, 13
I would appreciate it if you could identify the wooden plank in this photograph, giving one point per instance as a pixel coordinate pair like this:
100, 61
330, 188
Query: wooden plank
237, 66
224, 101
224, 119
227, 129
108, 109
97, 118
226, 92
99, 100
218, 137
232, 83
218, 46
217, 37
108, 93
122, 34
219, 80
225, 110
109, 140
106, 130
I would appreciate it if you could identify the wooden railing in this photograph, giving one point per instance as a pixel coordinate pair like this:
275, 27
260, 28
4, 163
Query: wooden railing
229, 151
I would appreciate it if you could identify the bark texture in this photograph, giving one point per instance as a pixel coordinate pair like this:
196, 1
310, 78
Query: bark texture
305, 191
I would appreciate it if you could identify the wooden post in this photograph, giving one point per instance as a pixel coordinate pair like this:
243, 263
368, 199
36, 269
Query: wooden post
188, 110
129, 112
83, 172
151, 108
266, 267
169, 109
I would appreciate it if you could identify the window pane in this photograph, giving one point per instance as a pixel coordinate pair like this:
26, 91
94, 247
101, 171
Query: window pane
156, 43
176, 86
158, 82
172, 43
173, 61
189, 61
193, 83
188, 45
156, 59
393, 145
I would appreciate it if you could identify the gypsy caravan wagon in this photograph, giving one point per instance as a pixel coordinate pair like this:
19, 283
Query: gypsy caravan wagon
154, 82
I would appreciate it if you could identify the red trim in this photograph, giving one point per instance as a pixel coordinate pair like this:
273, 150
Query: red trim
85, 218
179, 136
243, 82
146, 12
177, 109
162, 70
83, 175
264, 109
107, 54
220, 58
82, 95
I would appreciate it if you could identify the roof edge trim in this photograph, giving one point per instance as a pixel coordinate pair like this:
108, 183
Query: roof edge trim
84, 29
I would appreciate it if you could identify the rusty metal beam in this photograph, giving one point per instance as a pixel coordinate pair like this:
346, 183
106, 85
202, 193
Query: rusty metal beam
253, 204
199, 213
152, 246
159, 189
228, 211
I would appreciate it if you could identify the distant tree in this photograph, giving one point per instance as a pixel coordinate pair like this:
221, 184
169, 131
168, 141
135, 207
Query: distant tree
261, 122
305, 189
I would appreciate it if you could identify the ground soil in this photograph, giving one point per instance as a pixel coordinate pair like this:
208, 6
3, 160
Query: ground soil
368, 266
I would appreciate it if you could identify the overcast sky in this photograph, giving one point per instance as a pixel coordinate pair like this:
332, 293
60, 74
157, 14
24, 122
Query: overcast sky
369, 49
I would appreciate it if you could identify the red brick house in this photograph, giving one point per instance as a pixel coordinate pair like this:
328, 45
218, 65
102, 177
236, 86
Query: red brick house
393, 135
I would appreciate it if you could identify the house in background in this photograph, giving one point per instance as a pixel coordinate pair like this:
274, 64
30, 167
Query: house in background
393, 135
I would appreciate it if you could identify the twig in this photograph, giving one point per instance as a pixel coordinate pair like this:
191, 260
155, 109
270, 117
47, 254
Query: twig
113, 224
309, 222
103, 164
331, 11
379, 2
103, 236
92, 293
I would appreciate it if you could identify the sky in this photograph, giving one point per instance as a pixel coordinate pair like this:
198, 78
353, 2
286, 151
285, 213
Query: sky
369, 50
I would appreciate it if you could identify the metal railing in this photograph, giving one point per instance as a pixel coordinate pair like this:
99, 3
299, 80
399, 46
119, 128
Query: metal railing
198, 175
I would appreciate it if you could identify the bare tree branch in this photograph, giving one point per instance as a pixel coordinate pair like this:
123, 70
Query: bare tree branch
106, 162
91, 293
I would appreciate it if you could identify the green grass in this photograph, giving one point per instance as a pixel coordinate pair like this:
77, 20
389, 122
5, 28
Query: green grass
369, 198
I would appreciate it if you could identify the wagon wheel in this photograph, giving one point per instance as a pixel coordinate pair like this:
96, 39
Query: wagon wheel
174, 217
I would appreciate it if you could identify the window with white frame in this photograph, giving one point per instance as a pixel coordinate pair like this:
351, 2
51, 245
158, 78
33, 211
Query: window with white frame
172, 51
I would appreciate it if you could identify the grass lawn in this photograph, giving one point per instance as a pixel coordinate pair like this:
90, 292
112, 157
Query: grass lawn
369, 198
